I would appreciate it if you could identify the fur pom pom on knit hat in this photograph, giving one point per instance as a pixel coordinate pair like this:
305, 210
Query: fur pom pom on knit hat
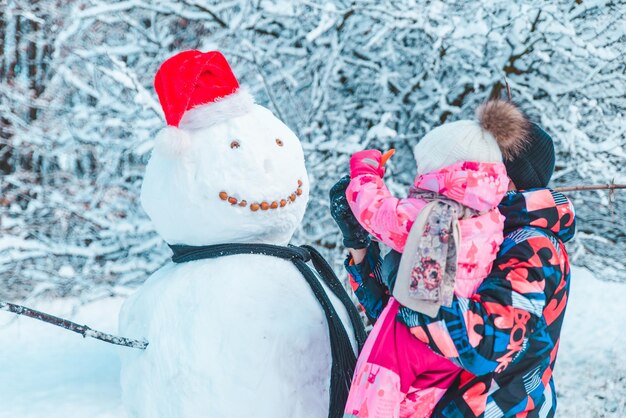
508, 125
499, 133
527, 150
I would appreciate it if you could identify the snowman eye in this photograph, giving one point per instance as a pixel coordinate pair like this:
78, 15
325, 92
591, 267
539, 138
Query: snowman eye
279, 142
235, 144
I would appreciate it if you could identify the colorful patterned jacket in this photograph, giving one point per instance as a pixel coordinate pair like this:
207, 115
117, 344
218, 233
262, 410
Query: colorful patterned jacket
506, 336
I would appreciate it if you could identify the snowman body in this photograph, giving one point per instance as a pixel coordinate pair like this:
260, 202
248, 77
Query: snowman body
236, 336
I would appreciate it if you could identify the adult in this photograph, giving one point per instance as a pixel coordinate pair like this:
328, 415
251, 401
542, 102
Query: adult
506, 336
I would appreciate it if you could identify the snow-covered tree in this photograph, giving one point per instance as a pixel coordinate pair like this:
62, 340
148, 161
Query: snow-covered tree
343, 74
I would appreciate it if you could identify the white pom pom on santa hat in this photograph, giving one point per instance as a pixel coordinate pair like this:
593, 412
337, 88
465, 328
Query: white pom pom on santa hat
172, 142
196, 90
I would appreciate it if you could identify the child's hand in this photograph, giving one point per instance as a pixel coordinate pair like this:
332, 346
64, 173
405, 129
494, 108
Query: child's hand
369, 161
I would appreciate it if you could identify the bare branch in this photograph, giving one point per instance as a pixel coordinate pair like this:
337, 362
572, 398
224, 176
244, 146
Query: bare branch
83, 330
610, 186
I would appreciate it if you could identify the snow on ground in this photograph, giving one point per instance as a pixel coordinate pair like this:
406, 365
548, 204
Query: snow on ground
590, 373
46, 372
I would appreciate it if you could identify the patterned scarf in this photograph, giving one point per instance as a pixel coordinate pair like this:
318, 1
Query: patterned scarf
427, 271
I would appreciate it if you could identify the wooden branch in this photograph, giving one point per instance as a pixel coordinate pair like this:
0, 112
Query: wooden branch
610, 186
211, 13
83, 330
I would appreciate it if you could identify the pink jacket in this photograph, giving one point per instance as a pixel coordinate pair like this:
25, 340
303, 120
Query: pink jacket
398, 376
480, 186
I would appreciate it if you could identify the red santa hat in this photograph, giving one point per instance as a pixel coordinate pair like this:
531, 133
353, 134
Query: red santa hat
196, 90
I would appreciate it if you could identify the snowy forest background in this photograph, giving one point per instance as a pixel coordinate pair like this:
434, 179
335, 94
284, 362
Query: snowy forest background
78, 115
78, 112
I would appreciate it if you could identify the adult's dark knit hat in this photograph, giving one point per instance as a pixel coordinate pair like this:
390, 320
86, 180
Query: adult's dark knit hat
534, 165
527, 150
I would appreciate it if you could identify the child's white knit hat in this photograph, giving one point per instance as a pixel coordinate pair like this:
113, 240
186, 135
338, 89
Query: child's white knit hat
501, 129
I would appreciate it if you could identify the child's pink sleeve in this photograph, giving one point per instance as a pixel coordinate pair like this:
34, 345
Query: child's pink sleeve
387, 218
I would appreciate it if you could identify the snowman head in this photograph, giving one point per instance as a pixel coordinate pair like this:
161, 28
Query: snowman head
225, 170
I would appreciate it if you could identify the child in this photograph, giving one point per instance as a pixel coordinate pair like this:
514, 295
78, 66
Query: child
458, 163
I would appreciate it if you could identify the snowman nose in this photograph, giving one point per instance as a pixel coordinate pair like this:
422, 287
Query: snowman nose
268, 165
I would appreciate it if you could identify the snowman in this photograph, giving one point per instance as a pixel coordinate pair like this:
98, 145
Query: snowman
230, 335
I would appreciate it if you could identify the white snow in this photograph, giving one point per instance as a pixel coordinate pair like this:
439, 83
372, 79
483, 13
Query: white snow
51, 373
590, 374
47, 372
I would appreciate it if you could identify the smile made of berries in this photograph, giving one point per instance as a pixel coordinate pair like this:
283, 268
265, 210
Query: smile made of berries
263, 205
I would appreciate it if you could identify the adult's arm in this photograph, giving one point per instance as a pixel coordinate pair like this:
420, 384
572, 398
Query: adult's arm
365, 280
